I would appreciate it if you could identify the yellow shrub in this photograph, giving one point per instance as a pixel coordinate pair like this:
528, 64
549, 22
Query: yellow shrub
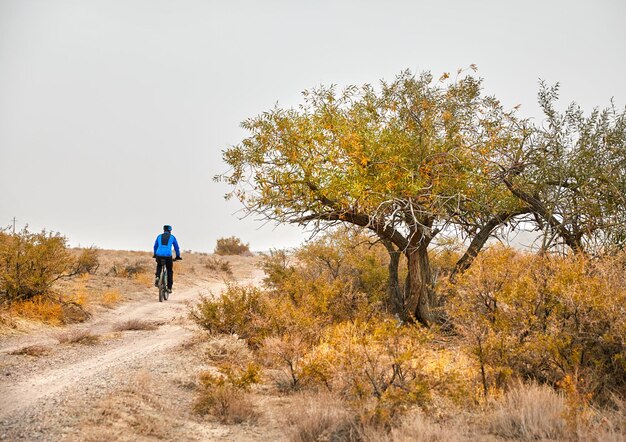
544, 318
376, 360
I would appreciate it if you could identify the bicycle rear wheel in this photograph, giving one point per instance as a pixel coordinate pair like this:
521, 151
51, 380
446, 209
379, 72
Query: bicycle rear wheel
163, 287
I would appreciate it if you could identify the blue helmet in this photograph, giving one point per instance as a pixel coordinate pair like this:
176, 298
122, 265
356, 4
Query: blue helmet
167, 228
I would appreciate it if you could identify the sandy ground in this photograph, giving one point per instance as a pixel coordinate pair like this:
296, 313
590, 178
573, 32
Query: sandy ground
128, 385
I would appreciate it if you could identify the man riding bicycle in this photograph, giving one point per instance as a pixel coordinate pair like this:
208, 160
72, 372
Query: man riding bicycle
163, 254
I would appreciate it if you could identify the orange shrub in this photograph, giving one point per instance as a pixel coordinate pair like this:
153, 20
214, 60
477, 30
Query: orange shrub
39, 308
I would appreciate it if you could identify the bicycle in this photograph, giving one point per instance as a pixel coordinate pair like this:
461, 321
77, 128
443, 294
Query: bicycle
164, 294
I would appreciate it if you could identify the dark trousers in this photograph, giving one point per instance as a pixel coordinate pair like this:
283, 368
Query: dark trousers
169, 265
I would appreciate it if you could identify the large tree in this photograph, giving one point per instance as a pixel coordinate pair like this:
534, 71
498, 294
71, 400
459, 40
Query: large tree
409, 160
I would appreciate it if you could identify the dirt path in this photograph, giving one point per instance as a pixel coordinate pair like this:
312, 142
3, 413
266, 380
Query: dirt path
60, 395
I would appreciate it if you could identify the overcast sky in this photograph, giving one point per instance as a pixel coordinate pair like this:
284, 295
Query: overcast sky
114, 113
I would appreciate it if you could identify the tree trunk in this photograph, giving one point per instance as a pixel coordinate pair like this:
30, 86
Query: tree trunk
395, 296
419, 285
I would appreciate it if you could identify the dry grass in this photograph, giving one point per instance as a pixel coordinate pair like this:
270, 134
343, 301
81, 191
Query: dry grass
144, 278
419, 428
136, 324
314, 418
226, 403
84, 337
529, 412
130, 413
110, 297
41, 309
32, 350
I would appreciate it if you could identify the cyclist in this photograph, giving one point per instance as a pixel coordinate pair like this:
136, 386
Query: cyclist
163, 252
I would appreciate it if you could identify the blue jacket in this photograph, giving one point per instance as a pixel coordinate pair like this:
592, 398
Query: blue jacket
163, 245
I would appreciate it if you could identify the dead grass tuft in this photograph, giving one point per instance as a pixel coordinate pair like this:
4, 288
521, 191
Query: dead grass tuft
84, 337
136, 324
529, 412
32, 350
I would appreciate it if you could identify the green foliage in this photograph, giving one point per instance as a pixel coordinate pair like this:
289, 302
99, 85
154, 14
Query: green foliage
231, 246
571, 172
356, 151
31, 262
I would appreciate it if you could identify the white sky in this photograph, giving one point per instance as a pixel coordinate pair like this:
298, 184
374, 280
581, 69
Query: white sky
114, 113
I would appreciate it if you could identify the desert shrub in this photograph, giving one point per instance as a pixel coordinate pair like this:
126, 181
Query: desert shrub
377, 366
240, 310
130, 270
346, 265
328, 285
219, 265
544, 318
286, 352
88, 261
224, 395
30, 263
74, 312
320, 324
49, 310
231, 246
127, 269
229, 350
227, 404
